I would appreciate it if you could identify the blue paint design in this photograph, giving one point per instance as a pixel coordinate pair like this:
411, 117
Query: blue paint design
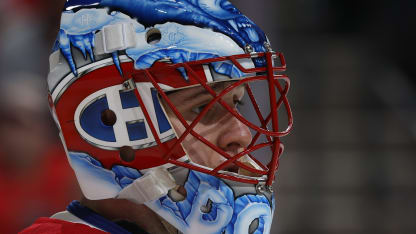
136, 131
78, 28
65, 47
125, 175
128, 99
96, 179
84, 43
201, 189
94, 176
146, 59
162, 121
227, 215
92, 124
219, 15
116, 61
246, 210
90, 160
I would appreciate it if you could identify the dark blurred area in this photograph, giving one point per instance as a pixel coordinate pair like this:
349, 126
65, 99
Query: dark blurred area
35, 177
349, 164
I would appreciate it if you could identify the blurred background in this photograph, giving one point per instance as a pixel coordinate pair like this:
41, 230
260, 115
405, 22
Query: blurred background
35, 177
350, 162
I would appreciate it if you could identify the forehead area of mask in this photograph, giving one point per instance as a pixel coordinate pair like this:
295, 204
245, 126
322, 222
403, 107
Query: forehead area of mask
212, 76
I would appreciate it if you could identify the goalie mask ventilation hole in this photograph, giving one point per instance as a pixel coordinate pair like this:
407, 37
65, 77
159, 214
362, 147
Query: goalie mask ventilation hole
153, 36
127, 154
108, 117
207, 208
178, 194
253, 226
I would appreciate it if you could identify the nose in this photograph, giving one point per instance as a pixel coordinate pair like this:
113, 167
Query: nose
234, 136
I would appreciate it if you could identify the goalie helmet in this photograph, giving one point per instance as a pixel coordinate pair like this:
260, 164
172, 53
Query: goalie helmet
113, 70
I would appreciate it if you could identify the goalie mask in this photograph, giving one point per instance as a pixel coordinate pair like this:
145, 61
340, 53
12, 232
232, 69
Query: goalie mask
122, 75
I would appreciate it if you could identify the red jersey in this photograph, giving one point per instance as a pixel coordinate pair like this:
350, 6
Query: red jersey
55, 226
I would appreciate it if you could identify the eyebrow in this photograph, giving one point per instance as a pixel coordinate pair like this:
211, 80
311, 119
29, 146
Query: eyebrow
215, 87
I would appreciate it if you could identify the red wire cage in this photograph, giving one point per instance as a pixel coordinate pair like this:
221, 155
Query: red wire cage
269, 73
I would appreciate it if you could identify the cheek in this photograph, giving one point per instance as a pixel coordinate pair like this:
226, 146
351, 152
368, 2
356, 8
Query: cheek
195, 150
179, 130
177, 126
198, 151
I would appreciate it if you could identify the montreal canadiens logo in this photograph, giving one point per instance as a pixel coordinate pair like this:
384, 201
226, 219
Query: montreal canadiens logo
130, 127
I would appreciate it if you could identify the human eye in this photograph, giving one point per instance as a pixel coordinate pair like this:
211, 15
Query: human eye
199, 108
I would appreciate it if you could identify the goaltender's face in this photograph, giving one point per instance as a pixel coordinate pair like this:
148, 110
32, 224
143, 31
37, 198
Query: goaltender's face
218, 126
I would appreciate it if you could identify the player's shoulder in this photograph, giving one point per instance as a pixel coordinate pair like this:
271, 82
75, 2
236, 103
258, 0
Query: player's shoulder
54, 226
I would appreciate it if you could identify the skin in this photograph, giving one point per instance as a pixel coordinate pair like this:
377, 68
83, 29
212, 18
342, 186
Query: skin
218, 126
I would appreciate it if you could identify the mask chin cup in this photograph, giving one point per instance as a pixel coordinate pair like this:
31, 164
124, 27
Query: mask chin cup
153, 185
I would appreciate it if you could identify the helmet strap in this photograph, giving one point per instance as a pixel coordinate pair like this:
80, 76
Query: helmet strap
154, 184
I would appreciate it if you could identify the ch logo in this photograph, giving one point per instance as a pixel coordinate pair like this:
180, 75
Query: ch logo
87, 19
130, 127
